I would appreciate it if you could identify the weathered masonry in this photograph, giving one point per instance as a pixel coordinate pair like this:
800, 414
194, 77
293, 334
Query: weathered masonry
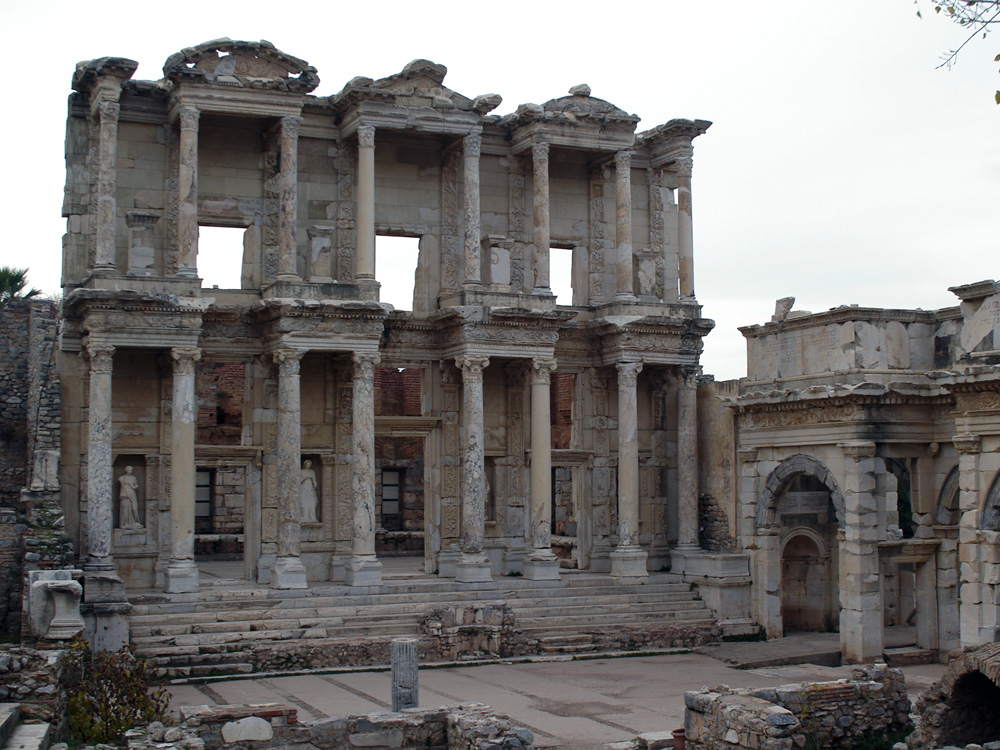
196, 415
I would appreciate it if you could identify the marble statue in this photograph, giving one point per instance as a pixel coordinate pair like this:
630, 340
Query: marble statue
309, 499
128, 501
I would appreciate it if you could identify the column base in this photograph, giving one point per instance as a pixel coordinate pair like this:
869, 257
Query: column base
628, 564
447, 562
473, 569
363, 570
288, 573
181, 577
103, 586
542, 568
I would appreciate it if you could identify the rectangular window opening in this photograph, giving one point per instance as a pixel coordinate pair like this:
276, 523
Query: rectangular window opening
561, 274
220, 257
396, 268
392, 497
204, 480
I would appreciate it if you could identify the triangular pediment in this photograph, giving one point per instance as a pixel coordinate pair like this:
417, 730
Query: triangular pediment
238, 64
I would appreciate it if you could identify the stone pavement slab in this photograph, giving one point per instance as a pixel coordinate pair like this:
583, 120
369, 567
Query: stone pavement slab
576, 705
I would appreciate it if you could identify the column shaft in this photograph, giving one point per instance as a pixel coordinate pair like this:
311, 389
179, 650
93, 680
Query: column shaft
540, 179
472, 146
623, 224
287, 247
364, 568
182, 573
288, 572
473, 567
542, 562
687, 460
365, 259
187, 197
99, 459
107, 169
628, 560
685, 239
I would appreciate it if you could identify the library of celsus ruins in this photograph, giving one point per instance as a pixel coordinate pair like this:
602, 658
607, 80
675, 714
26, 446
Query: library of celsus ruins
298, 428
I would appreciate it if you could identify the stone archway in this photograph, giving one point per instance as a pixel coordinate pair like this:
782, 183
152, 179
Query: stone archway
960, 708
786, 471
805, 577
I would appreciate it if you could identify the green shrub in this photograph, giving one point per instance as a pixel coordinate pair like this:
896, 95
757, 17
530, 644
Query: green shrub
109, 693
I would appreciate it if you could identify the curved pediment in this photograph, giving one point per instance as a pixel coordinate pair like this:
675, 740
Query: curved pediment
229, 63
419, 84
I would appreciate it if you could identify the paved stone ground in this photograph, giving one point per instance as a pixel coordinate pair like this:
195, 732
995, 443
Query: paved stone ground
573, 705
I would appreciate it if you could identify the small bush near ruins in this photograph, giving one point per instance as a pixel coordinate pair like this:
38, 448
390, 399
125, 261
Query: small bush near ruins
110, 693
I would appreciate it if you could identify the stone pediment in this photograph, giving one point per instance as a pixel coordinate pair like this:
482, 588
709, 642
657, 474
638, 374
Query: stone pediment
419, 85
89, 71
238, 64
578, 108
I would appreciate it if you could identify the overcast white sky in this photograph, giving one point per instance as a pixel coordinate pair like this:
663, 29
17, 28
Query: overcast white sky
842, 167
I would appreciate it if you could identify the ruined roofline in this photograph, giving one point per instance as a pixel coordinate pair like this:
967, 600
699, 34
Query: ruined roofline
847, 313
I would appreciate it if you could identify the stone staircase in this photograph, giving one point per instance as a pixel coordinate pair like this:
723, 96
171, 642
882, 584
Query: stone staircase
17, 736
223, 629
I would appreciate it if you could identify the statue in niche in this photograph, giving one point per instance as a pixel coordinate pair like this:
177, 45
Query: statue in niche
128, 501
310, 500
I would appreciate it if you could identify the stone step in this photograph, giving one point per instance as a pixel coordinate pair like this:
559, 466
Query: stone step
557, 629
623, 618
606, 608
29, 737
9, 715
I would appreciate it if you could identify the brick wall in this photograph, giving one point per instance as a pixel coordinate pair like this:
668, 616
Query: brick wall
220, 402
397, 393
561, 408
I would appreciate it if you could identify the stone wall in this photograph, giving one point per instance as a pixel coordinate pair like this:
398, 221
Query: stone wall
824, 714
464, 727
35, 680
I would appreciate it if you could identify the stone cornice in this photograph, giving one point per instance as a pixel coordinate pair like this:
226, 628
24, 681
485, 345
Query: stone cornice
849, 314
821, 396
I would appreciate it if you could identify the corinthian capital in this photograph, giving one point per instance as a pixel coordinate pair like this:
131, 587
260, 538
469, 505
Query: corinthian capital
366, 136
184, 359
365, 364
189, 118
290, 127
472, 367
472, 144
288, 361
623, 160
100, 358
628, 373
540, 153
109, 111
541, 369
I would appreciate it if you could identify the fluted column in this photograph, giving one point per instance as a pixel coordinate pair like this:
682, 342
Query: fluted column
288, 571
99, 459
182, 572
473, 566
623, 225
472, 146
628, 559
364, 568
107, 170
540, 179
187, 195
542, 563
685, 231
364, 269
687, 460
288, 218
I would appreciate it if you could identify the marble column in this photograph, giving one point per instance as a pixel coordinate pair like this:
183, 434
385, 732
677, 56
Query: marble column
99, 453
685, 242
540, 179
473, 567
623, 225
472, 146
971, 605
628, 559
288, 571
364, 262
542, 563
187, 197
860, 580
364, 569
107, 170
288, 217
687, 460
182, 573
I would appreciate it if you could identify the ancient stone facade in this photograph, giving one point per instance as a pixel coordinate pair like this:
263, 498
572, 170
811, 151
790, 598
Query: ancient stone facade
865, 464
217, 398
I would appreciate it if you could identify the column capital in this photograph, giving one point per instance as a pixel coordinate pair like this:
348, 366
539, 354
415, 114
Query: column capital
684, 166
100, 355
689, 377
472, 367
472, 144
540, 152
109, 110
288, 360
967, 443
858, 449
366, 136
366, 362
290, 126
623, 159
542, 368
188, 117
628, 373
184, 358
